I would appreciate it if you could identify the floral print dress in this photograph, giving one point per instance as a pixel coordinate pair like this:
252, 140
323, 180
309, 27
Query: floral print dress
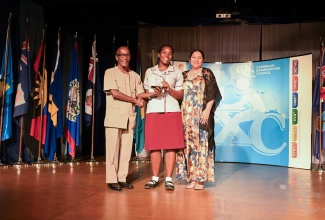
199, 159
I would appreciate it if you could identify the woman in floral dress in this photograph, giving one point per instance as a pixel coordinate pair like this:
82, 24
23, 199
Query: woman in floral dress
201, 97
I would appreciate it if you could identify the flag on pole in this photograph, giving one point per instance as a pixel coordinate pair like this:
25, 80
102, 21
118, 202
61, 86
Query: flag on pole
8, 88
319, 106
72, 129
94, 80
24, 82
54, 123
39, 95
322, 91
320, 119
139, 127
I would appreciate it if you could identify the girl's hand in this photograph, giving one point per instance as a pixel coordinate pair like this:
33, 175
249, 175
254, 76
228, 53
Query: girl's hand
166, 86
157, 90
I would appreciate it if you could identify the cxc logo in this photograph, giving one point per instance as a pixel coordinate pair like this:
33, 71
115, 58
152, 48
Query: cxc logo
231, 133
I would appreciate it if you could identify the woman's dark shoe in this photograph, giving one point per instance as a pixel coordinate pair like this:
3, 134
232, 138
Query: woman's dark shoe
126, 185
152, 184
169, 185
114, 186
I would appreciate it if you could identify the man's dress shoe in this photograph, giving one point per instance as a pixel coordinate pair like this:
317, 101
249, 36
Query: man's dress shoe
114, 186
126, 185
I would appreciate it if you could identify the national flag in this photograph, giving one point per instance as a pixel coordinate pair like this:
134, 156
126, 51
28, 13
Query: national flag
39, 95
72, 129
94, 81
24, 86
7, 74
322, 90
54, 123
320, 119
139, 127
316, 93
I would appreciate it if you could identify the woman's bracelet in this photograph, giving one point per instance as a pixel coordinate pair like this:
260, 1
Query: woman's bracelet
149, 98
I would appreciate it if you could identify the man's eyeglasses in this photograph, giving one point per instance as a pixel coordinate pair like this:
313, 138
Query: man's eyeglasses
123, 55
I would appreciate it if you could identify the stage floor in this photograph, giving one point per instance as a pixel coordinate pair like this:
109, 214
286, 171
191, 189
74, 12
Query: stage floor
241, 191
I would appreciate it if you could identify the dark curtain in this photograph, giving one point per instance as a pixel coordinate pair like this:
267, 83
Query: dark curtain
235, 43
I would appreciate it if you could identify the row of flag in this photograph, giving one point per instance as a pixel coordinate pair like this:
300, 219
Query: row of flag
318, 104
47, 103
46, 122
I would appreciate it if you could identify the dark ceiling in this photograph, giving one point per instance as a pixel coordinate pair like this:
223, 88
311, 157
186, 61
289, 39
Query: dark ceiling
134, 13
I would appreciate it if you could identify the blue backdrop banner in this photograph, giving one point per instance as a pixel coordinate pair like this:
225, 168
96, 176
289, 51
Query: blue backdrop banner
265, 113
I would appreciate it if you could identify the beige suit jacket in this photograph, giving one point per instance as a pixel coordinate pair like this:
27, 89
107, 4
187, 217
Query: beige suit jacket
117, 112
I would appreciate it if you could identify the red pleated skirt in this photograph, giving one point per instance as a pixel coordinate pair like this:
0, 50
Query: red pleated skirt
164, 131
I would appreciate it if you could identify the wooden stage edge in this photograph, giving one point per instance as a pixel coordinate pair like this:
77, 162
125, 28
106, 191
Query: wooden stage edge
79, 191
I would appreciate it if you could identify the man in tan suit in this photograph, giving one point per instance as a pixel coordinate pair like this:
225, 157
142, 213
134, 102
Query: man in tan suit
122, 87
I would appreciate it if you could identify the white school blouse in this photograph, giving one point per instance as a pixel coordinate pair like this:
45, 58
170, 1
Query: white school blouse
165, 102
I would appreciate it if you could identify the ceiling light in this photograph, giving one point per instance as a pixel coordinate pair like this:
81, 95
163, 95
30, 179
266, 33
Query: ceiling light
226, 15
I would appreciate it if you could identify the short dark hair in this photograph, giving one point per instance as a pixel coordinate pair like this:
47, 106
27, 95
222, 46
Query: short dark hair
197, 50
166, 45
